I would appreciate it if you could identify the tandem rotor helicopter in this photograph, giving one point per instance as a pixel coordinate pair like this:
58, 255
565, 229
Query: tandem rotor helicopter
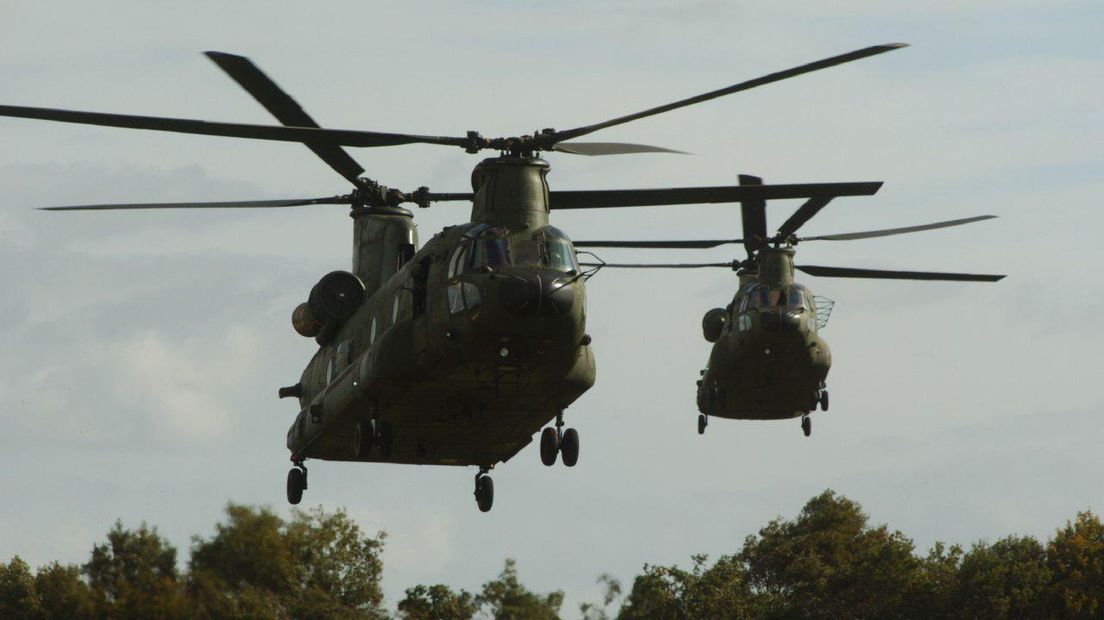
768, 360
459, 351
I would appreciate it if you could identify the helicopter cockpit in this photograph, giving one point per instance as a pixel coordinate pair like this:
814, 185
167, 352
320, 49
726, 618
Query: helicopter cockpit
486, 249
794, 297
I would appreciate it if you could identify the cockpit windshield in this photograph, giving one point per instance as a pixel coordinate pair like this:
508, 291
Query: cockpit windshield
490, 251
547, 247
793, 297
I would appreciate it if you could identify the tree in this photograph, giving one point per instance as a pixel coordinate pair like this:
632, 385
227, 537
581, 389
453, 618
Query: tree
1075, 557
507, 599
17, 591
720, 591
1007, 579
611, 590
61, 593
437, 602
133, 575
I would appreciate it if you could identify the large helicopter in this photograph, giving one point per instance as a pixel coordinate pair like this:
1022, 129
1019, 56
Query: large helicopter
768, 360
458, 352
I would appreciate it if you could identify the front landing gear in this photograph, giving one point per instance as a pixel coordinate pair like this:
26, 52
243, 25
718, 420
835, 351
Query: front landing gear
296, 482
702, 423
484, 490
556, 441
806, 425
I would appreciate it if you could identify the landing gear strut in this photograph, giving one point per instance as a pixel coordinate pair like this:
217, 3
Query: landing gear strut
296, 482
557, 441
484, 490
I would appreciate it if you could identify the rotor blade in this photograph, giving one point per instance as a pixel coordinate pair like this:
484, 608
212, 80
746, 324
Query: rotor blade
285, 109
802, 215
309, 135
560, 136
597, 199
673, 245
848, 272
445, 197
897, 231
245, 204
610, 148
753, 216
657, 265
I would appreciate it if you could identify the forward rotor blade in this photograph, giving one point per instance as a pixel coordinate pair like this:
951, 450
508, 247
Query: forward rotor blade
245, 204
802, 215
673, 245
560, 136
753, 216
658, 265
285, 109
597, 199
848, 272
897, 231
308, 135
610, 148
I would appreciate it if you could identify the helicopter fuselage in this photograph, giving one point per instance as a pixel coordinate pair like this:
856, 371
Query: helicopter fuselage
466, 351
768, 361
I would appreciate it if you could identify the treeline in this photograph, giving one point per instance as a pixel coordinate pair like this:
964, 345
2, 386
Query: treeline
828, 562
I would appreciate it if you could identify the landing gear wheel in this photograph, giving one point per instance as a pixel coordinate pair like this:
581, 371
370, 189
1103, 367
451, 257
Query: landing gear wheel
824, 400
549, 446
484, 492
296, 484
385, 437
363, 438
702, 423
569, 447
806, 425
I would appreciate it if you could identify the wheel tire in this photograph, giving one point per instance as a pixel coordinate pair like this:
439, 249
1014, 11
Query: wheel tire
296, 482
484, 493
807, 426
569, 447
702, 423
385, 439
549, 446
363, 438
824, 400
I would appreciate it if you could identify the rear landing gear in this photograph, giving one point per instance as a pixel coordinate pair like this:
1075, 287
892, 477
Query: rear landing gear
806, 425
296, 483
556, 441
824, 400
702, 423
484, 490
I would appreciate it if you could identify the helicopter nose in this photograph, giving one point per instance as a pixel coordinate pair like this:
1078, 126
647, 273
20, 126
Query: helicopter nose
780, 322
536, 295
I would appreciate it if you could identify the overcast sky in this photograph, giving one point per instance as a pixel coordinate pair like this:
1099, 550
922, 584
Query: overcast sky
141, 352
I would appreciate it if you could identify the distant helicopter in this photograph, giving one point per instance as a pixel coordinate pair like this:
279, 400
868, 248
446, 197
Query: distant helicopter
768, 360
457, 352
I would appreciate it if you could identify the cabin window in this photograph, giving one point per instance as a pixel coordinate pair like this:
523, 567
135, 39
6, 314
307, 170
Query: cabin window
490, 251
462, 296
459, 258
548, 247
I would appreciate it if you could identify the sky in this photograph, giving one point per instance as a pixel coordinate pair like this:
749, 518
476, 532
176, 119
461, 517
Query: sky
141, 352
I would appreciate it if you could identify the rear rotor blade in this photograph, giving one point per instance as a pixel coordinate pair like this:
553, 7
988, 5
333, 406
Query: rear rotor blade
879, 274
610, 148
560, 136
672, 245
870, 234
245, 204
597, 199
309, 135
285, 109
658, 265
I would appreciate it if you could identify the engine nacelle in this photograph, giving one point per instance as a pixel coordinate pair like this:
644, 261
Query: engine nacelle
713, 324
334, 300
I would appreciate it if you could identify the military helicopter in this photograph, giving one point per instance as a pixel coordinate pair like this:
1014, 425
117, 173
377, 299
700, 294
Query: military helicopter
768, 360
457, 352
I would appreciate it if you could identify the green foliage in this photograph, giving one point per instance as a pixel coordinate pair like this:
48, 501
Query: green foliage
827, 562
1076, 559
437, 602
507, 599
